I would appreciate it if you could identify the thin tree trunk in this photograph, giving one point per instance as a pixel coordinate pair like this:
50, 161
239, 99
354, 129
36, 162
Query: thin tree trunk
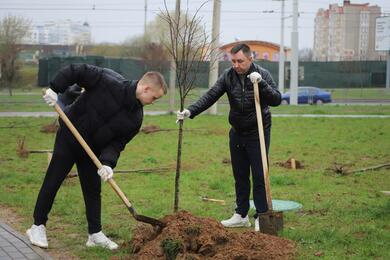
178, 167
9, 89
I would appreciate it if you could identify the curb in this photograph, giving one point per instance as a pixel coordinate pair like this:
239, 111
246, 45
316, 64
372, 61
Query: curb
15, 246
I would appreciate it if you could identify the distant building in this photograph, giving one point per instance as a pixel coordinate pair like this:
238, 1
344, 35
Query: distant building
61, 33
346, 33
261, 50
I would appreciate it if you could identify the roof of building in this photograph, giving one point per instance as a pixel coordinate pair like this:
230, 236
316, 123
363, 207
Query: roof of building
251, 42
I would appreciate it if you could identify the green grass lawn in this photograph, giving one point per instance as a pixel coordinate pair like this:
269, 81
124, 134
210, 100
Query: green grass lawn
343, 217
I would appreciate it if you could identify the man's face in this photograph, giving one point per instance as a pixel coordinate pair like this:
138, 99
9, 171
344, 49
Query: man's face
240, 62
149, 95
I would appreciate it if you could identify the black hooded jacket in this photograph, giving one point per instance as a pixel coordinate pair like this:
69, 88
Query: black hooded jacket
107, 114
242, 115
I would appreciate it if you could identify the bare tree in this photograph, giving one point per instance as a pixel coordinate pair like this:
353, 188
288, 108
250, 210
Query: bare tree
106, 49
188, 46
305, 54
152, 52
13, 30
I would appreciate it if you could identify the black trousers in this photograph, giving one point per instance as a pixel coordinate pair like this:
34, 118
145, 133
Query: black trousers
246, 157
65, 155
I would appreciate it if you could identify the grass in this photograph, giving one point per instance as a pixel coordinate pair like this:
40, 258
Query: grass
342, 216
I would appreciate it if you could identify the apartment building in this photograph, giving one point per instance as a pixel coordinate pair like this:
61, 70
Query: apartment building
64, 32
346, 32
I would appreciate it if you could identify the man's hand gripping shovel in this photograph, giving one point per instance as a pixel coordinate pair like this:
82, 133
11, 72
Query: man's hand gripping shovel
99, 165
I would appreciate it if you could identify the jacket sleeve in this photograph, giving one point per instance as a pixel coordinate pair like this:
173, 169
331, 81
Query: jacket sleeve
110, 154
69, 96
84, 75
209, 98
268, 89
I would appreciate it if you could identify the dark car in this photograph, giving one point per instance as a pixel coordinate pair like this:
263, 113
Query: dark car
309, 95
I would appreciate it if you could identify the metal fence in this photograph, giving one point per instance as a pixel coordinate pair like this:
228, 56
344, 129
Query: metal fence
343, 74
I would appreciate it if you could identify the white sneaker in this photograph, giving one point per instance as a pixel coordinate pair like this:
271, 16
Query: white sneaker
257, 224
37, 236
236, 221
99, 239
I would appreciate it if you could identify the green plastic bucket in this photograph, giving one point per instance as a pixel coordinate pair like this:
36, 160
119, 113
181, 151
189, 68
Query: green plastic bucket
281, 205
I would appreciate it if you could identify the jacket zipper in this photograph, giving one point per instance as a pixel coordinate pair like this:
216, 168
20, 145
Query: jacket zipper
242, 98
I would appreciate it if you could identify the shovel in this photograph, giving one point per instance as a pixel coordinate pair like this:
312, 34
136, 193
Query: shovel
99, 165
270, 222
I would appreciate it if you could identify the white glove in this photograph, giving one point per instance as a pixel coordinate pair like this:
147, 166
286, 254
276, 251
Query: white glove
255, 77
105, 172
50, 97
181, 115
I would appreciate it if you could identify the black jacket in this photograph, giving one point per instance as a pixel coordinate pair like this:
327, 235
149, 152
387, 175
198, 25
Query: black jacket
242, 115
107, 114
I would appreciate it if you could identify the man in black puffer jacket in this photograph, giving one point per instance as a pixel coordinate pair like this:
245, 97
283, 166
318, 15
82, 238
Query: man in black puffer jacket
237, 83
108, 114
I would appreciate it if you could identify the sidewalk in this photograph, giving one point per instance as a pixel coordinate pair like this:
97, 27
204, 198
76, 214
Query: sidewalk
16, 246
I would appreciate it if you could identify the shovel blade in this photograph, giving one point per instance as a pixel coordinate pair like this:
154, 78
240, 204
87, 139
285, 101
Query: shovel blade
149, 220
271, 222
145, 219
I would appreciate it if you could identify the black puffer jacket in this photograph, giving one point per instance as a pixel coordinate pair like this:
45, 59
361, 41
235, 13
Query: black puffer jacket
242, 115
107, 114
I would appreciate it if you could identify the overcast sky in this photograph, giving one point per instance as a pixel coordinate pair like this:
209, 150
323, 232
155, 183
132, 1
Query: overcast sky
116, 20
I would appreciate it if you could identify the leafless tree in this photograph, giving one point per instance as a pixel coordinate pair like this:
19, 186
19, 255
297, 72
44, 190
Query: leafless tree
305, 54
152, 52
13, 30
188, 46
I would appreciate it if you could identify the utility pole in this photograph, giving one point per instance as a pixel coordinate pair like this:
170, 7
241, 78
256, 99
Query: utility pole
213, 73
281, 50
388, 71
145, 17
294, 57
172, 72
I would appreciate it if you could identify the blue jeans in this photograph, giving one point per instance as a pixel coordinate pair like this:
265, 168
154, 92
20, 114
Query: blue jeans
246, 157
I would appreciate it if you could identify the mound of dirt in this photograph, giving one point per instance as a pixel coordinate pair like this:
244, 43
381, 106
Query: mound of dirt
288, 164
190, 237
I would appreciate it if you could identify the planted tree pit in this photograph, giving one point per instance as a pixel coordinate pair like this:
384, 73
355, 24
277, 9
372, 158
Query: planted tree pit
189, 237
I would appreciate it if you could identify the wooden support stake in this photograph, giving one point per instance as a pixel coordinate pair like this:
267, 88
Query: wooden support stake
293, 164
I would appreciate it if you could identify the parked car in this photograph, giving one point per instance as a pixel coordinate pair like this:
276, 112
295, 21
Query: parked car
309, 95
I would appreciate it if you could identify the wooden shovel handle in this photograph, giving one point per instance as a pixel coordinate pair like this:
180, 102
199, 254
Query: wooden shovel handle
262, 145
91, 154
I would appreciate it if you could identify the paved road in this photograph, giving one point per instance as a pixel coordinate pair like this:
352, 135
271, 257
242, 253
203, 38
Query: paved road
15, 246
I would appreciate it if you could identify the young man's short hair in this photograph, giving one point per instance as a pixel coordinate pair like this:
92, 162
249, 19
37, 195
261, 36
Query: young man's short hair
154, 78
241, 47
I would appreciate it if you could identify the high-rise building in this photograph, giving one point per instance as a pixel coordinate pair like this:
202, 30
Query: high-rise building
346, 33
61, 33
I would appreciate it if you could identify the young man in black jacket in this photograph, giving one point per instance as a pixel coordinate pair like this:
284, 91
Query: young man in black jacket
237, 83
108, 114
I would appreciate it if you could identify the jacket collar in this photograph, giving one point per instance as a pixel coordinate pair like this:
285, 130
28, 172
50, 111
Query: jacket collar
131, 100
252, 68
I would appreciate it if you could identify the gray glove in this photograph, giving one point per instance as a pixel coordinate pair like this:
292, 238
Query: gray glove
50, 97
181, 115
105, 172
255, 77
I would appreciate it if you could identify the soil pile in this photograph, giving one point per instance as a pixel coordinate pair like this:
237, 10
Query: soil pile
190, 237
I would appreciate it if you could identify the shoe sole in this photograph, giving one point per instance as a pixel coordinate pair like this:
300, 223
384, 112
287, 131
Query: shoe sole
238, 225
35, 243
90, 244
